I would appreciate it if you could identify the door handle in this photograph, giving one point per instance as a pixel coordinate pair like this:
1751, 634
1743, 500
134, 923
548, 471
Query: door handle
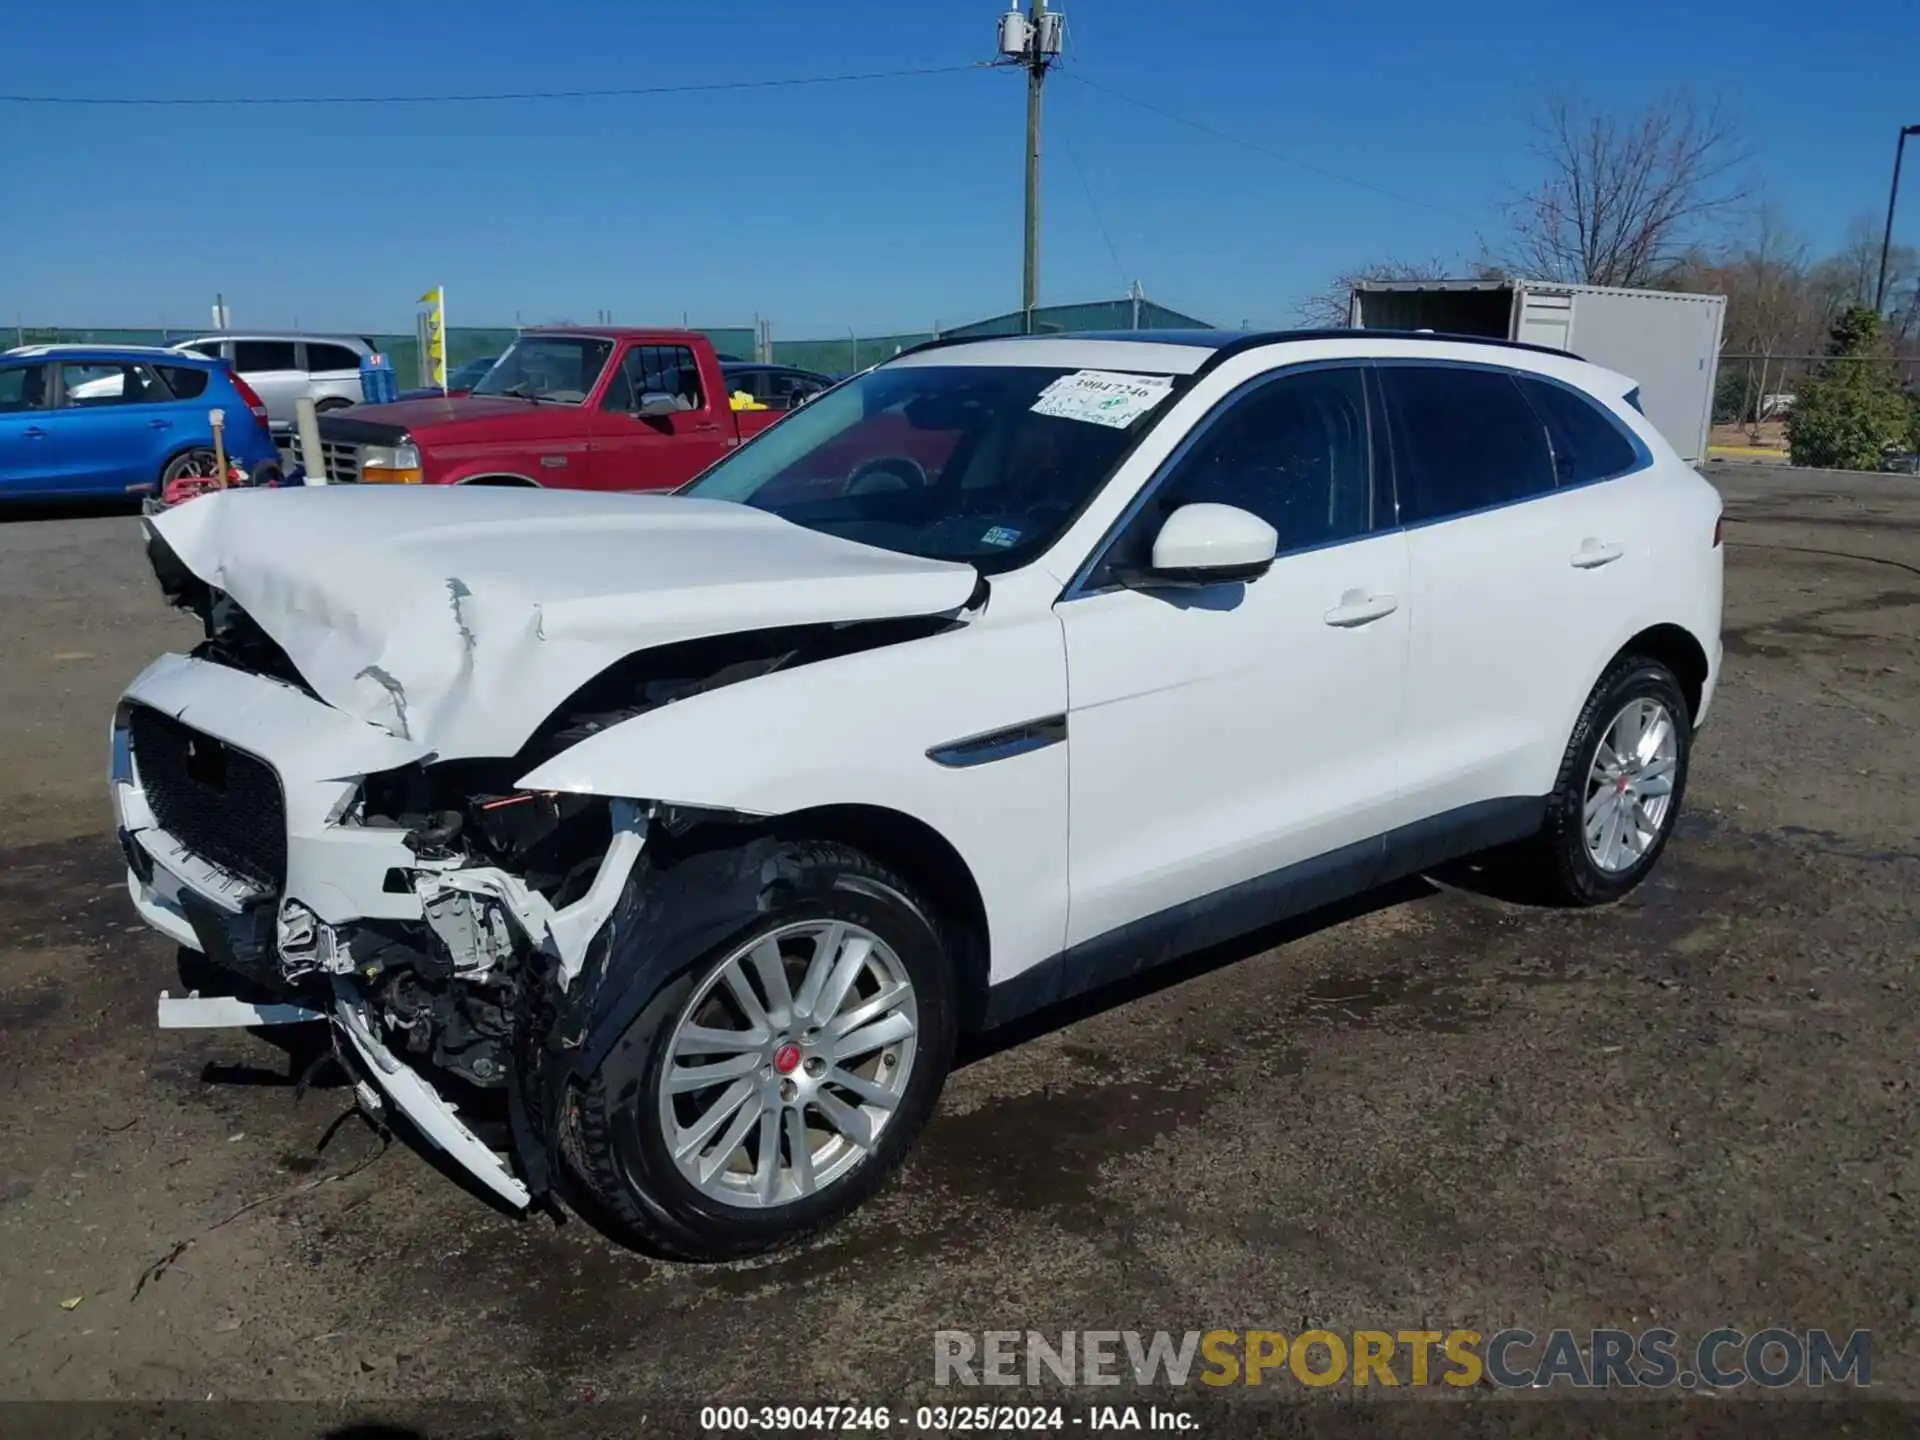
1592, 554
34, 432
159, 424
710, 425
1356, 607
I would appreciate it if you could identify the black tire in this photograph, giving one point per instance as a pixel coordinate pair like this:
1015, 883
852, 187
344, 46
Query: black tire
612, 1138
1565, 872
334, 402
187, 462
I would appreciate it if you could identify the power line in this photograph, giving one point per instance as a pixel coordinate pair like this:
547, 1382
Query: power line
622, 91
1232, 139
1092, 204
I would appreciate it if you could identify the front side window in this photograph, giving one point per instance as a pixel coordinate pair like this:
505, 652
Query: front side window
558, 369
1587, 445
23, 387
1293, 450
89, 385
252, 357
1464, 439
946, 461
746, 382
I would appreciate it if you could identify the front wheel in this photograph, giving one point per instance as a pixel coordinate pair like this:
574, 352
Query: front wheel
187, 475
768, 1089
1620, 786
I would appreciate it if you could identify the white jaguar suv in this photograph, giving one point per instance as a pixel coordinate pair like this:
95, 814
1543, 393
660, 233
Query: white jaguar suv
696, 827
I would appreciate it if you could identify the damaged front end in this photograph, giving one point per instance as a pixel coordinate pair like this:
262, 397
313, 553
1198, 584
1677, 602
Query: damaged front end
435, 914
378, 865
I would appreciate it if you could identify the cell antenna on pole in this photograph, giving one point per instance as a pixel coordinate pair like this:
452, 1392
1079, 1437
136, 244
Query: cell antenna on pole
1032, 40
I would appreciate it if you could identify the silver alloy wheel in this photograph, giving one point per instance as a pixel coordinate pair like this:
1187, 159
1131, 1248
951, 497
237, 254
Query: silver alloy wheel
1630, 787
787, 1063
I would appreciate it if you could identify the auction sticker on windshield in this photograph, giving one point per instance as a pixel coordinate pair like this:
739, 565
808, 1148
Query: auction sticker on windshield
1103, 397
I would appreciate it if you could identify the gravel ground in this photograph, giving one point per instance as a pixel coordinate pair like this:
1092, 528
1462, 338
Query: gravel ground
1429, 1111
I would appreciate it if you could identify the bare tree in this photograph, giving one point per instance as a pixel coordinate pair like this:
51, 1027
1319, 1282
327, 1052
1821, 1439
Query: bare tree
1328, 308
1847, 278
1624, 195
1772, 307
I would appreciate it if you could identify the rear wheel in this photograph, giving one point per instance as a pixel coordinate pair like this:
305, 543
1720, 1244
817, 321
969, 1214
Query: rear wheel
1620, 786
769, 1088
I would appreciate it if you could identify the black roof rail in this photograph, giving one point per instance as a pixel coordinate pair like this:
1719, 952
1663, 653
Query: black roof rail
1233, 342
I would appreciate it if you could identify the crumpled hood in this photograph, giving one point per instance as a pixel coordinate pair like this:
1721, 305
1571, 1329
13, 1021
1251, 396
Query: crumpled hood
462, 617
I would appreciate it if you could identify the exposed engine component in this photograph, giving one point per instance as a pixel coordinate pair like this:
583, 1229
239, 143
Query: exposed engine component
476, 933
307, 945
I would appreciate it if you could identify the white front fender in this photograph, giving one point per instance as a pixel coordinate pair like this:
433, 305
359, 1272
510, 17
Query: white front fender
856, 730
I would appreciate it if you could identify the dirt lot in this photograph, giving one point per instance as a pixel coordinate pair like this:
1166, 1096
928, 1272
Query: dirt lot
1695, 1108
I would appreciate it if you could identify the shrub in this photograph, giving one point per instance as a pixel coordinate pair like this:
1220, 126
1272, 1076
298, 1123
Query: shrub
1852, 411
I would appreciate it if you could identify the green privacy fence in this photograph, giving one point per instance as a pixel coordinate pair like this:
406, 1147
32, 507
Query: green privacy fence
835, 356
464, 342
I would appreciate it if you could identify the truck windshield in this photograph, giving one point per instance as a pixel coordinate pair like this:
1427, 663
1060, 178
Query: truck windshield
948, 462
562, 369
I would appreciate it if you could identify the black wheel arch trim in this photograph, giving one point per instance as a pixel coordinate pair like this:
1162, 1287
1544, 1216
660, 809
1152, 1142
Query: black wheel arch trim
703, 893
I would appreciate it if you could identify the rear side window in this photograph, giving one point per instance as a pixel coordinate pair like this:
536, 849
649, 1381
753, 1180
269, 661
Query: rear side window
187, 382
252, 356
783, 392
1586, 444
1463, 439
208, 348
331, 357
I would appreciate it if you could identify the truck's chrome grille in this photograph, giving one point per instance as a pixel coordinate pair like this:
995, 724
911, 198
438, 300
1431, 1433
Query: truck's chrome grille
342, 459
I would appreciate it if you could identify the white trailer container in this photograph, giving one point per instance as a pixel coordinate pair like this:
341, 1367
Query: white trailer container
1668, 342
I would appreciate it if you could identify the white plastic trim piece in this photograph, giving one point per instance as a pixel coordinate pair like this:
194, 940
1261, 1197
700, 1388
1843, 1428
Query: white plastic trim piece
432, 1116
222, 1012
574, 927
564, 934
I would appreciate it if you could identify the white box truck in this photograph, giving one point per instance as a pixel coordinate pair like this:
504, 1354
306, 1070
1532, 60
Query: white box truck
1668, 342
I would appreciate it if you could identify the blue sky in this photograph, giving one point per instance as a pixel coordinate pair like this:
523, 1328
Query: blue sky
873, 206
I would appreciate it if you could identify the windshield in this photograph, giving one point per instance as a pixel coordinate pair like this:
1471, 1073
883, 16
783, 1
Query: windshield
468, 375
951, 462
558, 368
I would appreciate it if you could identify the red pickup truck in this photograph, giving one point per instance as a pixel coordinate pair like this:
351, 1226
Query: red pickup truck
577, 408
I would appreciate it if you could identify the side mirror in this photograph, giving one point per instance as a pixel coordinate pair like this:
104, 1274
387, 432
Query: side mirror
654, 404
1208, 544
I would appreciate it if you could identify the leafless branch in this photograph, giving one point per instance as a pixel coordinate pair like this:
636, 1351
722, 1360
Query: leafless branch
1328, 307
1624, 196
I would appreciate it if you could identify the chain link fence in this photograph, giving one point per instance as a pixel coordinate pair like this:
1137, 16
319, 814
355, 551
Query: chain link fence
837, 355
1756, 390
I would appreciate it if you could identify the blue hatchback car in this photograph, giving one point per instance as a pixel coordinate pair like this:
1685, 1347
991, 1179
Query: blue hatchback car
119, 420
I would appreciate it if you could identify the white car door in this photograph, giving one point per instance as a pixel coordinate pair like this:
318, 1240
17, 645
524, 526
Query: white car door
1234, 744
1520, 589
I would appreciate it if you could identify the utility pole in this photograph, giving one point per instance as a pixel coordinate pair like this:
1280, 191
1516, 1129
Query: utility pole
1893, 197
1032, 41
